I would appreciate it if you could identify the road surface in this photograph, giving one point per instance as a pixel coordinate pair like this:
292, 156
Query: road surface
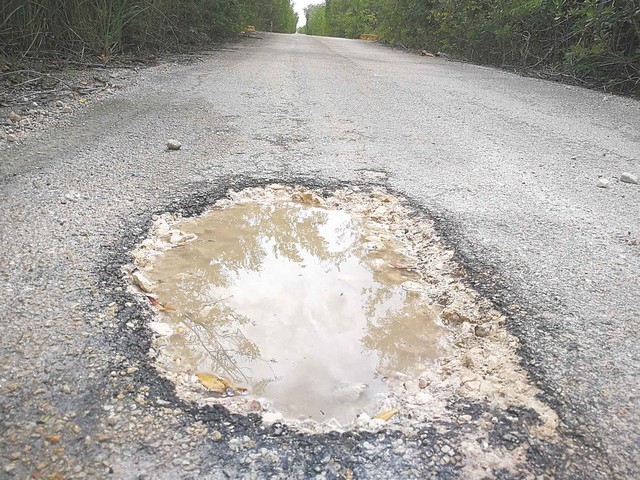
506, 166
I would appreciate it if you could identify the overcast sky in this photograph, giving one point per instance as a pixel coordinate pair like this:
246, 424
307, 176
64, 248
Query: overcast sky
299, 6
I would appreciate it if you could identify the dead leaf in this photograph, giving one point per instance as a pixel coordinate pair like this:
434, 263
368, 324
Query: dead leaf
160, 306
400, 266
386, 415
213, 382
307, 197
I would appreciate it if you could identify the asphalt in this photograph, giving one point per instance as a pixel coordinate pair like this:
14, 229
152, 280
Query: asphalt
506, 166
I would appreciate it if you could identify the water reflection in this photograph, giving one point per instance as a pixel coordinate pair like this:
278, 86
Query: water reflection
284, 298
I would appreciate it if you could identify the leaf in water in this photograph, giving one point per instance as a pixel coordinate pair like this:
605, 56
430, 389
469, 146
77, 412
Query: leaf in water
160, 306
386, 415
213, 382
154, 302
400, 266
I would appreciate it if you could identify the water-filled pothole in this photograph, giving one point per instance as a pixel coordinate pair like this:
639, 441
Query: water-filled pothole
313, 310
306, 306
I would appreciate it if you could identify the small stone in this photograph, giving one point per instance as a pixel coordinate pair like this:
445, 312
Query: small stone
173, 145
59, 103
67, 109
52, 438
14, 456
14, 117
603, 183
422, 384
11, 138
141, 281
453, 317
102, 437
627, 177
161, 328
482, 330
216, 436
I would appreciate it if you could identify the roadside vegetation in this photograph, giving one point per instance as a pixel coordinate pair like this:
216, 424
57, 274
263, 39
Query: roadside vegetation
594, 42
106, 28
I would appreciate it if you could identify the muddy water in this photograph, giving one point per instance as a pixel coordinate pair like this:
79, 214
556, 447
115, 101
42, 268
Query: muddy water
305, 306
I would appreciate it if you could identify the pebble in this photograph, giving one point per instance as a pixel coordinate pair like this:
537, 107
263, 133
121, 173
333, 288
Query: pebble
14, 117
11, 137
141, 281
254, 406
453, 317
173, 145
67, 109
627, 177
482, 330
603, 183
216, 436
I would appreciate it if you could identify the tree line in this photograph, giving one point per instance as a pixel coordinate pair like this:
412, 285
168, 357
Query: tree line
594, 42
107, 27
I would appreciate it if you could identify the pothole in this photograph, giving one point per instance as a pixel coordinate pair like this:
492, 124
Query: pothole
332, 311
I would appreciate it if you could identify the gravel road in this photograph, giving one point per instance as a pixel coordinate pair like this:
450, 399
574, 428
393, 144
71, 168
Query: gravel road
506, 166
